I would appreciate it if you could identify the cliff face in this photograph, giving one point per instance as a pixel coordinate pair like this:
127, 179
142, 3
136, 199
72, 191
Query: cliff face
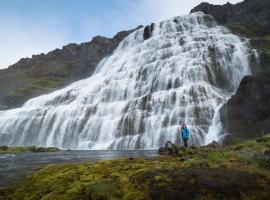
246, 114
43, 73
254, 14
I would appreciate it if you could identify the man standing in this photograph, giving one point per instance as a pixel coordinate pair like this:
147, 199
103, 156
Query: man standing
185, 134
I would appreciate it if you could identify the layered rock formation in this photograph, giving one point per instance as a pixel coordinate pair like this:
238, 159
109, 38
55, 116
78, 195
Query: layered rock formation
44, 73
247, 112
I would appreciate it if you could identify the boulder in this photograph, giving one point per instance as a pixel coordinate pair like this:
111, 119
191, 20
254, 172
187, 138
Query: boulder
169, 148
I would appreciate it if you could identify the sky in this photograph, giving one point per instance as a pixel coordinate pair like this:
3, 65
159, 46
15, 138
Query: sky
30, 27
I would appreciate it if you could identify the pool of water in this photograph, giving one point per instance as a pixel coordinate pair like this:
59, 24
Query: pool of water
15, 167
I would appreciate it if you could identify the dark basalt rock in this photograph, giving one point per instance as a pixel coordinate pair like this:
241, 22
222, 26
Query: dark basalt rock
44, 73
169, 148
247, 114
147, 33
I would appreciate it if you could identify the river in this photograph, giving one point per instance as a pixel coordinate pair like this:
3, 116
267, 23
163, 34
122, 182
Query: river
15, 167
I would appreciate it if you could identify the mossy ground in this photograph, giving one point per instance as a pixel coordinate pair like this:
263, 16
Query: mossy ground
240, 171
6, 149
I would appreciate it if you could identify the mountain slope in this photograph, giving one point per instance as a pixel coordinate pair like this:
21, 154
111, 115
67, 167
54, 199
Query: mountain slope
44, 73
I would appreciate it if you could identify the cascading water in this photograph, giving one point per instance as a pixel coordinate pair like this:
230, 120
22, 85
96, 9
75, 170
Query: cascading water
139, 95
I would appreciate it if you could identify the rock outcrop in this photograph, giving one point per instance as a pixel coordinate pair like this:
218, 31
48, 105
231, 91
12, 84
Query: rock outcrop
247, 113
44, 73
169, 148
253, 14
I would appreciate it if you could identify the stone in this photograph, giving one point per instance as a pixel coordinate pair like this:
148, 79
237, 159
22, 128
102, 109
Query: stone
147, 33
169, 148
247, 114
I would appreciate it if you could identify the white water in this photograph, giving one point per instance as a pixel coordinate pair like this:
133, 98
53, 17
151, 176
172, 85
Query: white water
139, 95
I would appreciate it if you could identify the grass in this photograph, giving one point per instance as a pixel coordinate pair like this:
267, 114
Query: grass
240, 171
6, 149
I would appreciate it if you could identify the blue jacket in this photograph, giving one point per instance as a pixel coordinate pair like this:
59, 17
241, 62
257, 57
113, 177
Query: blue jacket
185, 133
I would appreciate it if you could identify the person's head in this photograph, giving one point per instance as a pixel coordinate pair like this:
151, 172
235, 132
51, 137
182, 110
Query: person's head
184, 126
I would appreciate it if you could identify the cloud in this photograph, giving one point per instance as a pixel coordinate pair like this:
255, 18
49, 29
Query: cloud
19, 39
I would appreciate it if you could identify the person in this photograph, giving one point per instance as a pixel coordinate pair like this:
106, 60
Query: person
185, 134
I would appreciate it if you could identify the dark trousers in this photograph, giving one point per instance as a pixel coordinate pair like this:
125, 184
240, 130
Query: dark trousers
185, 142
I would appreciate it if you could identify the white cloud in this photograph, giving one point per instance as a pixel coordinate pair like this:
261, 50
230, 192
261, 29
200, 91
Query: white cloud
19, 39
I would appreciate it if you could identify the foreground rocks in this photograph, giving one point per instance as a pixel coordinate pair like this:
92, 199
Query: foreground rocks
240, 171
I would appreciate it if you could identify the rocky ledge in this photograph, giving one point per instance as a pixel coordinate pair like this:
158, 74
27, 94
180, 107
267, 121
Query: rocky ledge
240, 171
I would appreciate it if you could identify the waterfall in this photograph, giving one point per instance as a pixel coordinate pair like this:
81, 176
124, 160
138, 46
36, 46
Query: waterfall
138, 96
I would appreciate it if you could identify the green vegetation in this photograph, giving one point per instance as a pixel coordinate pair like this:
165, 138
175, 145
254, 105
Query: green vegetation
18, 86
259, 41
239, 171
6, 149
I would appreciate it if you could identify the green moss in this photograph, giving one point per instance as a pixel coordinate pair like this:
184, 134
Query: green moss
197, 173
242, 29
6, 149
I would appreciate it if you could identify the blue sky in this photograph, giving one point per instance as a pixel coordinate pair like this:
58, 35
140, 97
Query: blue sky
34, 26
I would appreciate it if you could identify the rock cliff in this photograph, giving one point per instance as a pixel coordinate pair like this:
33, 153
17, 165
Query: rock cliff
247, 113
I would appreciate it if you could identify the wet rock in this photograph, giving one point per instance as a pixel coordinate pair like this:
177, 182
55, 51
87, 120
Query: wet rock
246, 114
169, 148
147, 33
